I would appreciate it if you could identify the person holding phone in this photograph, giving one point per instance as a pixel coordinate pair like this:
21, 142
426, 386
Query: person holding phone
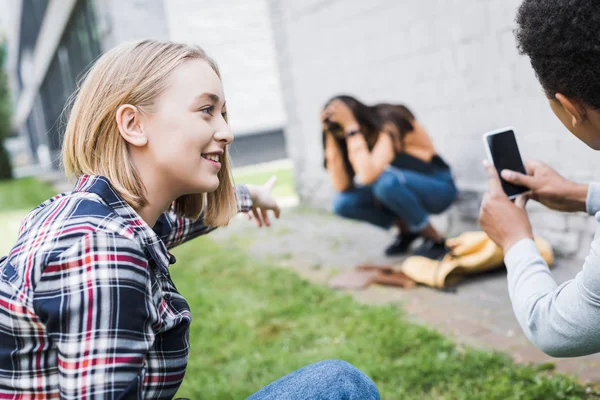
503, 152
383, 164
561, 39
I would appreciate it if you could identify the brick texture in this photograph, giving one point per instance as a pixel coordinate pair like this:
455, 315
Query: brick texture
455, 63
238, 35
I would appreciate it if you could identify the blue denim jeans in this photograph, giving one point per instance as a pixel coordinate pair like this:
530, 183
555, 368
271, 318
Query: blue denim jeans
398, 193
325, 380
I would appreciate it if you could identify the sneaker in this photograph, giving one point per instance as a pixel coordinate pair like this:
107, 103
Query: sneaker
432, 249
401, 244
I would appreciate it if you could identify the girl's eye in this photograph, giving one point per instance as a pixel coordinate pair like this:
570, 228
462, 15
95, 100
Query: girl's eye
208, 110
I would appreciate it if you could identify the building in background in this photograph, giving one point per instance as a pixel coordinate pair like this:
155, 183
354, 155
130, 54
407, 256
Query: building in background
5, 20
454, 63
239, 35
53, 42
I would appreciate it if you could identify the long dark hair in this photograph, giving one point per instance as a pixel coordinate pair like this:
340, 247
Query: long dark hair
372, 120
400, 116
367, 118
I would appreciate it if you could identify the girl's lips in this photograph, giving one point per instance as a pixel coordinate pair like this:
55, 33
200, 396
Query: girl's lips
215, 164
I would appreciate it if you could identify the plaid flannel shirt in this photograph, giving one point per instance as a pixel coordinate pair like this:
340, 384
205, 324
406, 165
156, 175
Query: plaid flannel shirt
87, 305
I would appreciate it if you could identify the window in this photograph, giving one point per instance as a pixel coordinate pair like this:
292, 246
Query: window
77, 50
32, 15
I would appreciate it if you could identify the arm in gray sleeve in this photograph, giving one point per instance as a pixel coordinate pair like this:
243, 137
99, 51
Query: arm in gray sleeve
561, 320
593, 198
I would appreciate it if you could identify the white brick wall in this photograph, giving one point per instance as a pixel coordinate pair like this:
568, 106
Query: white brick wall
238, 35
123, 21
455, 63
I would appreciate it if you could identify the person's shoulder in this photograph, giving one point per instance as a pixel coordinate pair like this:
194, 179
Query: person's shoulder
64, 219
71, 227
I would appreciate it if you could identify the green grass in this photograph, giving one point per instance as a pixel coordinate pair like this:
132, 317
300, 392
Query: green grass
9, 229
17, 198
23, 194
285, 186
254, 323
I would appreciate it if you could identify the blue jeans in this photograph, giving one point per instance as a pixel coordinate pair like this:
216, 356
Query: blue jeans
325, 380
398, 194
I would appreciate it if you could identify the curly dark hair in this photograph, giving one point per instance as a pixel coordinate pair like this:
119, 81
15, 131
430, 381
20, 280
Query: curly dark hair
562, 40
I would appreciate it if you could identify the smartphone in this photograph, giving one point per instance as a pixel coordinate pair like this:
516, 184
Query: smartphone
503, 152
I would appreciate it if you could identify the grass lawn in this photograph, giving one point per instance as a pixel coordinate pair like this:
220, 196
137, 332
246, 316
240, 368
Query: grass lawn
285, 186
23, 194
254, 323
17, 198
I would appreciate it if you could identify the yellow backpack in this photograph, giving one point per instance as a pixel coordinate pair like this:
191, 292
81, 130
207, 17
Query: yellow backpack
472, 253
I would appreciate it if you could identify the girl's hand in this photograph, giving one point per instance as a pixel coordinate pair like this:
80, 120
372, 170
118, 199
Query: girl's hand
338, 112
263, 202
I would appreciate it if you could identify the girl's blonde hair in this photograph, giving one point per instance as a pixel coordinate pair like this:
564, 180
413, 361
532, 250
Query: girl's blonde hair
134, 73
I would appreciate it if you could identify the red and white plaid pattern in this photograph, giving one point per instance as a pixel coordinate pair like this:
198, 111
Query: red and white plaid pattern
87, 306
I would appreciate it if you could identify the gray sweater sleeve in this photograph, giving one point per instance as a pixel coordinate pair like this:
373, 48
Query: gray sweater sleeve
593, 199
561, 320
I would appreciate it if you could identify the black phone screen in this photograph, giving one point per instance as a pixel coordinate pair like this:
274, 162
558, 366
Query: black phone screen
505, 155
